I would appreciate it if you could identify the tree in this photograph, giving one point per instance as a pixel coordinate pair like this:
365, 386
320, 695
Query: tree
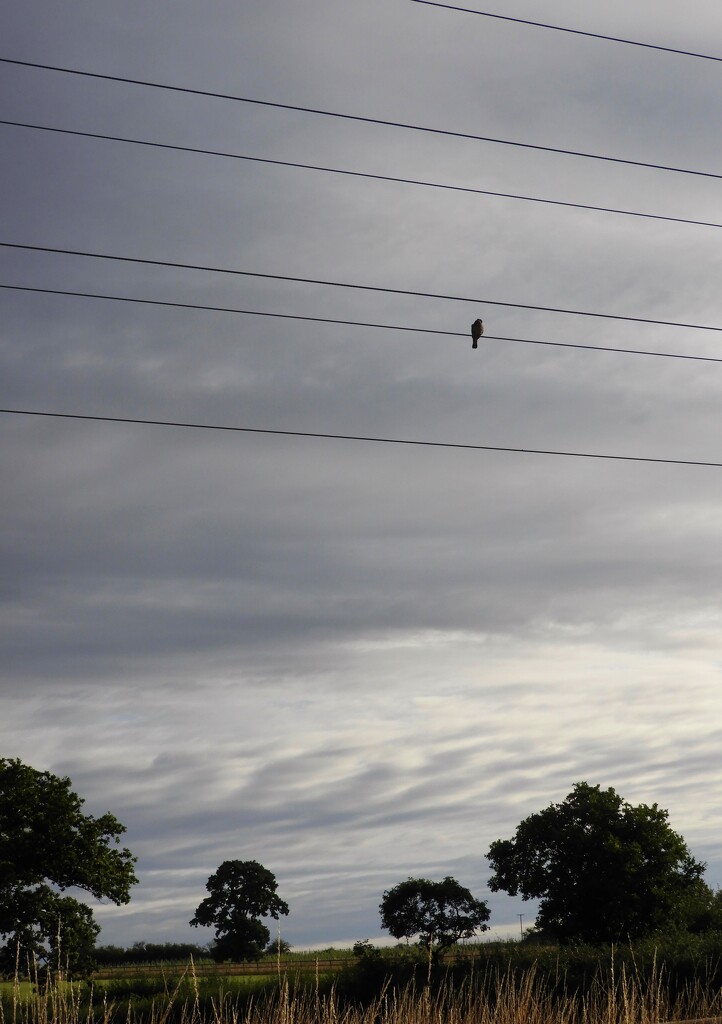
48, 845
149, 953
705, 911
441, 913
603, 869
241, 891
276, 946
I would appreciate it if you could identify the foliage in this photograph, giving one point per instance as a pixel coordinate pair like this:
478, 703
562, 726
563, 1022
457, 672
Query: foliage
150, 953
701, 910
272, 949
47, 844
246, 941
603, 869
241, 891
366, 950
441, 913
484, 983
680, 964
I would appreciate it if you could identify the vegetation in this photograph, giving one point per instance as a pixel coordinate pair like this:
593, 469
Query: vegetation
441, 913
605, 871
47, 844
241, 892
277, 947
493, 989
149, 953
627, 933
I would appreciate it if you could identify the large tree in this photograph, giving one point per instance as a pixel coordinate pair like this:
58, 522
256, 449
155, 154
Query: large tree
48, 845
440, 913
241, 892
604, 870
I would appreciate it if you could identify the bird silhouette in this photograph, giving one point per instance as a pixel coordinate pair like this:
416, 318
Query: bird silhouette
477, 329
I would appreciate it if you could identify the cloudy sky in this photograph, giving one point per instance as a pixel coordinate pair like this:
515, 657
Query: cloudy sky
359, 661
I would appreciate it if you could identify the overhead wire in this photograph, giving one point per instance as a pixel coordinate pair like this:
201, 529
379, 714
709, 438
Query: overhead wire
571, 31
359, 174
359, 437
361, 119
360, 287
352, 323
350, 437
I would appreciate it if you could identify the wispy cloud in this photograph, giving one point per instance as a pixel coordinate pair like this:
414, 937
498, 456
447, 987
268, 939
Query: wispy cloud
355, 662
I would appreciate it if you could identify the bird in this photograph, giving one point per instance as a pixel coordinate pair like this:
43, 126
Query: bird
477, 329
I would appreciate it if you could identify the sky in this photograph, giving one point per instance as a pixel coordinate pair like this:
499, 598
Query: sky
359, 661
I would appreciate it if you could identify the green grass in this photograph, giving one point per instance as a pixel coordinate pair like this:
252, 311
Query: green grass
503, 983
24, 989
499, 998
268, 960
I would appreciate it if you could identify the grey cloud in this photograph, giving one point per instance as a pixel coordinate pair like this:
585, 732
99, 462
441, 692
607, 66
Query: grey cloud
356, 662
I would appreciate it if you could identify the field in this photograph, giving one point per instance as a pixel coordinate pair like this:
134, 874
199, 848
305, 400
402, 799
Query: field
205, 968
488, 986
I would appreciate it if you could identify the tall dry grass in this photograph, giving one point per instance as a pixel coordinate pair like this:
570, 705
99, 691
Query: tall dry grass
627, 999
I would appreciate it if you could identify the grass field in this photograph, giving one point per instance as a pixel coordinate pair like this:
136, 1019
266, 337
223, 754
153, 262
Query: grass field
488, 984
206, 968
499, 999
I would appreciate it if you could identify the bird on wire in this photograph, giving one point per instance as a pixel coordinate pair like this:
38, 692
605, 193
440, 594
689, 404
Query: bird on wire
477, 329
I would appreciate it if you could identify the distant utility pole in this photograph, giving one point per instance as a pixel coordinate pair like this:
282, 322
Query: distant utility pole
521, 929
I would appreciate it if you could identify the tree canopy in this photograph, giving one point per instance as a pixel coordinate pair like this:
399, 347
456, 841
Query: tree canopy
440, 913
47, 844
241, 892
604, 870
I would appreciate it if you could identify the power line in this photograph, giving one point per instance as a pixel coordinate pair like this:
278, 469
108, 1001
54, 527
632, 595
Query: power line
359, 287
353, 323
359, 118
234, 309
571, 31
357, 437
362, 174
